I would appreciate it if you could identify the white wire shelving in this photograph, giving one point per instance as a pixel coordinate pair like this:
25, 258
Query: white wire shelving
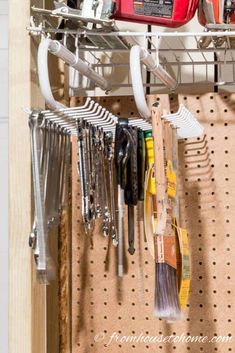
202, 58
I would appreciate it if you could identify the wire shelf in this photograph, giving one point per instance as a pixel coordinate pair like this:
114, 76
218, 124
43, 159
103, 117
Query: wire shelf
191, 58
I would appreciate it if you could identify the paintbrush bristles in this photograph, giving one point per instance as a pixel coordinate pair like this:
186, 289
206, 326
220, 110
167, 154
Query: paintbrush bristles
167, 304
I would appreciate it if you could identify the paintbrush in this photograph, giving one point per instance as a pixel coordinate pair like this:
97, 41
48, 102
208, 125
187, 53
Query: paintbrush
166, 289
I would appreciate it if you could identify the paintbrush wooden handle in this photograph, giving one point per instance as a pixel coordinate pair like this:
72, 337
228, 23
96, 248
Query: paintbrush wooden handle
159, 164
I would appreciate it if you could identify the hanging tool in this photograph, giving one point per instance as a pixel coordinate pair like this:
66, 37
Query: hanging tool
166, 291
39, 235
122, 153
131, 187
108, 138
84, 176
105, 207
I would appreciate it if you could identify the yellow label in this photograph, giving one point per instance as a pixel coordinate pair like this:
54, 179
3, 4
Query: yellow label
171, 180
152, 181
185, 267
149, 152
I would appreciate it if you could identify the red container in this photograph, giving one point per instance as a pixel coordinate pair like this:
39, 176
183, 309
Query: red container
169, 13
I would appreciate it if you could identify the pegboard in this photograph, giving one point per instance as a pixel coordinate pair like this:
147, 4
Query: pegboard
103, 304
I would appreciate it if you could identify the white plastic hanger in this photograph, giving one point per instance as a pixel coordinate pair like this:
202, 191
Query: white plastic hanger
186, 124
86, 107
56, 48
140, 54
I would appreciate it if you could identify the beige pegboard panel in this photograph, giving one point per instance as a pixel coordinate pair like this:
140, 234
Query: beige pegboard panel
103, 304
